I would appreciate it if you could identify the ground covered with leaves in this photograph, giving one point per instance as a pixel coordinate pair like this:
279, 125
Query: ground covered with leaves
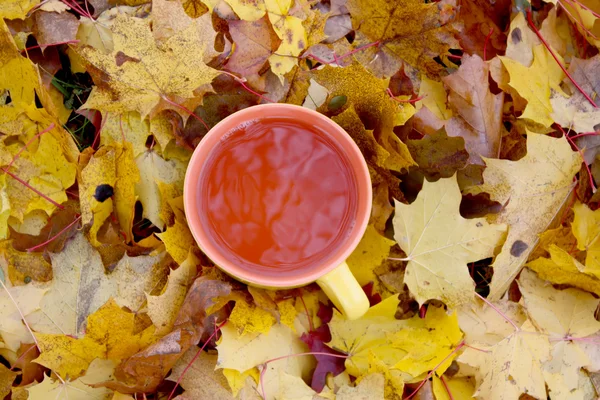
479, 122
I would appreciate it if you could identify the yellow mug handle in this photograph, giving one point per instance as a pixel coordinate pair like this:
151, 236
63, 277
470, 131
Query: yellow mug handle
343, 290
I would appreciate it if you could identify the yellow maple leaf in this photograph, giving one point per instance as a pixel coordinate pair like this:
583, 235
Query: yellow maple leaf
371, 251
17, 74
100, 170
434, 98
118, 129
160, 181
373, 152
110, 335
144, 76
201, 380
178, 240
12, 329
370, 387
532, 191
245, 352
413, 346
512, 366
565, 316
370, 99
586, 228
16, 9
413, 32
561, 268
459, 388
534, 84
292, 34
439, 243
248, 318
79, 389
80, 286
237, 380
163, 309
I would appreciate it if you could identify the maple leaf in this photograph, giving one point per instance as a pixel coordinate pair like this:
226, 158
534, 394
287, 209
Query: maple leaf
439, 243
562, 268
371, 251
163, 309
413, 346
370, 387
160, 181
12, 330
11, 9
242, 353
52, 27
586, 229
566, 316
255, 42
144, 371
110, 334
7, 377
78, 389
412, 32
201, 380
115, 167
21, 265
370, 99
439, 155
146, 77
478, 112
532, 191
533, 87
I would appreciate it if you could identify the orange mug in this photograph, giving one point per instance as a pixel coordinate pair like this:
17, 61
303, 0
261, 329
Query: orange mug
332, 274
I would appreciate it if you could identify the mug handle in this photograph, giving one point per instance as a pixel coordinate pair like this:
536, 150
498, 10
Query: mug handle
343, 290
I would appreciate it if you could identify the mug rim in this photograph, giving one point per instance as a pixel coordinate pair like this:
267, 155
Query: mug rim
203, 151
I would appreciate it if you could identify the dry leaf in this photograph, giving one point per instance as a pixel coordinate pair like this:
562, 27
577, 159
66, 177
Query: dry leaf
532, 191
478, 112
439, 243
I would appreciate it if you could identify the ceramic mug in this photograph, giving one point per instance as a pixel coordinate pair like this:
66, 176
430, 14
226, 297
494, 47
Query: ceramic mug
334, 276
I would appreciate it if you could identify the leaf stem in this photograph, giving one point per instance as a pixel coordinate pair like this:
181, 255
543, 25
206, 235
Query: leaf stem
42, 195
187, 367
48, 129
191, 113
460, 346
63, 230
486, 301
487, 40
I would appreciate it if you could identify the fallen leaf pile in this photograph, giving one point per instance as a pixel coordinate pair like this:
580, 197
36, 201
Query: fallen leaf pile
479, 122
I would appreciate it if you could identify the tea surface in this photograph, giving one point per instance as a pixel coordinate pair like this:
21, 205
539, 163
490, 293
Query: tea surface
277, 194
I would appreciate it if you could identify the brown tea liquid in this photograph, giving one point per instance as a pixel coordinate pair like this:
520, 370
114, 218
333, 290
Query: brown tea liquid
277, 194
